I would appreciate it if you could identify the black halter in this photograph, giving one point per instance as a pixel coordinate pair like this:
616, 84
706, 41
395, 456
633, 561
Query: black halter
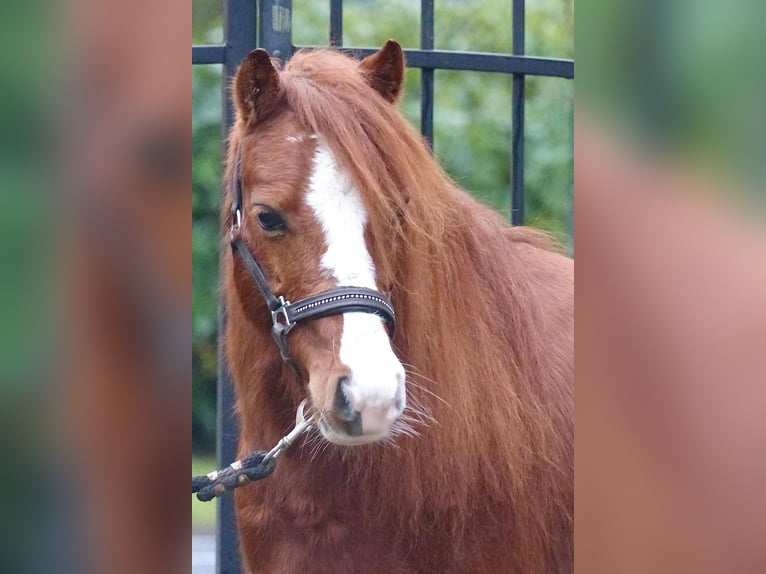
285, 315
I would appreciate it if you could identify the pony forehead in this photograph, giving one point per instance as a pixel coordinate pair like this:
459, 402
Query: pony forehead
324, 96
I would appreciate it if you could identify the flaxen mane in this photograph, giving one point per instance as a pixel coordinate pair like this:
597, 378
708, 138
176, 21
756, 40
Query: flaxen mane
485, 328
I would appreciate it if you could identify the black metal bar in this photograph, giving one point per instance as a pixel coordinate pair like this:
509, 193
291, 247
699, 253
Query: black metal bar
519, 28
240, 20
517, 112
276, 27
476, 62
208, 54
227, 543
336, 23
437, 59
427, 74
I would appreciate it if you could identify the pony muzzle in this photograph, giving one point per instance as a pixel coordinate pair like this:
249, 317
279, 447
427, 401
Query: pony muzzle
362, 414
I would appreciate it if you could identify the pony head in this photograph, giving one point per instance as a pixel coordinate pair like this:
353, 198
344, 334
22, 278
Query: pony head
308, 221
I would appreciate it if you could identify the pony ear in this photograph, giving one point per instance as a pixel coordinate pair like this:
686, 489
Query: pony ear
256, 87
384, 70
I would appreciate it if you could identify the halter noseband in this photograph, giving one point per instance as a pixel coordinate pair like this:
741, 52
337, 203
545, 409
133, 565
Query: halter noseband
285, 315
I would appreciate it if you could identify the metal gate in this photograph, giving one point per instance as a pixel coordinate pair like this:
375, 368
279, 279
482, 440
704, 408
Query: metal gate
250, 24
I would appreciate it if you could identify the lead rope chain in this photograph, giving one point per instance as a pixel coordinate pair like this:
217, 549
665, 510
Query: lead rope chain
253, 467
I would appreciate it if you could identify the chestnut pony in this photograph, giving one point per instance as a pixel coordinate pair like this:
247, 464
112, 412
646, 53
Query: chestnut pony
445, 448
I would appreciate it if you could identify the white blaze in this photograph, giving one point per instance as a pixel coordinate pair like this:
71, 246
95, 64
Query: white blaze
377, 377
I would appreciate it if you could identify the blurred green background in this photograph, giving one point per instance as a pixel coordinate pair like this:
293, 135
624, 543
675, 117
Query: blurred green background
684, 79
472, 131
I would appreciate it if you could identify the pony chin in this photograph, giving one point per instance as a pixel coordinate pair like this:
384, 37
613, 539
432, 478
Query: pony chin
330, 434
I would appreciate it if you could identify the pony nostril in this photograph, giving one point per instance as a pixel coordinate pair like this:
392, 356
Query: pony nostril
343, 408
350, 418
354, 427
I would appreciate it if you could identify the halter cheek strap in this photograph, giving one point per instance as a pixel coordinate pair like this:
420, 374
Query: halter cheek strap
286, 315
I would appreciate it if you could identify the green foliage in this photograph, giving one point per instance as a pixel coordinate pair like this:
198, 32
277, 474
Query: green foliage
472, 127
206, 174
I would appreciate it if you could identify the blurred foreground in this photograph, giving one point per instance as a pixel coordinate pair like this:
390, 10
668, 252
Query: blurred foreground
671, 287
671, 366
96, 286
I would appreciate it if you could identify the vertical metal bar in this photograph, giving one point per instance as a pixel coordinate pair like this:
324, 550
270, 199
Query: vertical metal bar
427, 74
336, 22
240, 22
517, 112
276, 28
240, 25
227, 545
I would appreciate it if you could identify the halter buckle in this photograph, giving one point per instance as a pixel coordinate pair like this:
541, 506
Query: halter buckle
285, 324
236, 220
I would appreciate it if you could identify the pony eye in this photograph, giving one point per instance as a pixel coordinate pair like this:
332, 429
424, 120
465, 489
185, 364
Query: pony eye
271, 221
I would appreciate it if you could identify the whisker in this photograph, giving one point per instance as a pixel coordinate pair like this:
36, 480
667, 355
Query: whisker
417, 413
404, 430
418, 386
315, 443
390, 442
412, 368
